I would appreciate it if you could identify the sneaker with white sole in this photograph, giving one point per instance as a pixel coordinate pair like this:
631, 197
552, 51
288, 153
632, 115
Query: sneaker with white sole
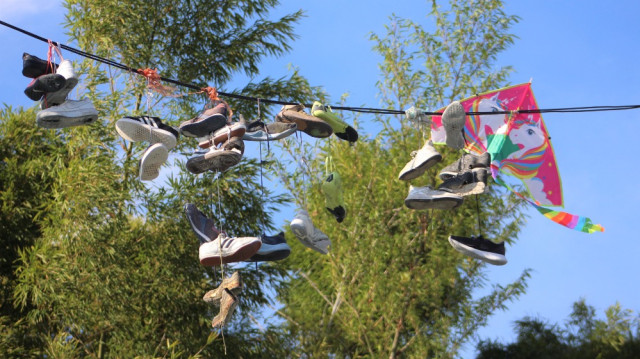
467, 162
259, 131
453, 119
217, 159
201, 225
467, 183
422, 160
228, 250
147, 128
480, 248
152, 159
428, 198
274, 248
308, 234
58, 97
70, 113
212, 118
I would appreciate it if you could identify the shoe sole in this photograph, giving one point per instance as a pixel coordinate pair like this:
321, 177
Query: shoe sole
242, 254
492, 258
204, 127
437, 203
453, 128
270, 257
420, 170
223, 135
60, 121
151, 162
136, 131
218, 161
469, 189
312, 126
253, 136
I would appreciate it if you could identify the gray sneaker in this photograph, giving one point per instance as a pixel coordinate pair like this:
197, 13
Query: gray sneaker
428, 198
467, 183
453, 119
465, 163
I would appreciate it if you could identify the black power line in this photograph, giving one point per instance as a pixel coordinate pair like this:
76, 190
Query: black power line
343, 108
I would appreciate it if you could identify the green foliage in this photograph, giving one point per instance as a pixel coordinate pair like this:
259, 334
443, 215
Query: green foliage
583, 336
391, 284
96, 263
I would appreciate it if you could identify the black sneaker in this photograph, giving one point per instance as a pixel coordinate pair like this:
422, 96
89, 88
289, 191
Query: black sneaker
480, 248
467, 183
467, 162
33, 66
146, 128
202, 226
44, 84
209, 120
274, 248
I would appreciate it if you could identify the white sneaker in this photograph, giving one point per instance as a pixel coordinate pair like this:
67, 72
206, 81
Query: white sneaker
426, 197
422, 159
68, 114
152, 159
56, 98
307, 234
147, 128
228, 249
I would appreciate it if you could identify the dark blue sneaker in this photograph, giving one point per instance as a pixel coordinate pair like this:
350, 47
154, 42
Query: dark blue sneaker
480, 248
274, 248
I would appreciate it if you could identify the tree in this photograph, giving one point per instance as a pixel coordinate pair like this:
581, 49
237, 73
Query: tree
583, 336
391, 284
96, 263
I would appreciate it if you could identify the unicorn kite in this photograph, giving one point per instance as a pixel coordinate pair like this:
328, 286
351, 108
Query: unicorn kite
519, 145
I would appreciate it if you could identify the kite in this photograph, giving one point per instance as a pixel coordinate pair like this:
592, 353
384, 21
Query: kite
519, 145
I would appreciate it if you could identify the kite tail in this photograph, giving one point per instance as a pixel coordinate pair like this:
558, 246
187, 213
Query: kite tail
578, 223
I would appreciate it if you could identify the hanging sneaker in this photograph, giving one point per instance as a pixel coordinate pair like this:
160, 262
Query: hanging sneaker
228, 250
228, 304
43, 84
209, 120
308, 235
33, 66
233, 284
428, 198
311, 125
465, 163
453, 119
58, 97
147, 128
340, 128
480, 248
466, 183
217, 159
274, 248
332, 189
259, 131
202, 226
237, 129
70, 113
152, 159
422, 160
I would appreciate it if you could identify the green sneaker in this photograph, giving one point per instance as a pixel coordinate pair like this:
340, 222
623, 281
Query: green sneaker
332, 188
340, 128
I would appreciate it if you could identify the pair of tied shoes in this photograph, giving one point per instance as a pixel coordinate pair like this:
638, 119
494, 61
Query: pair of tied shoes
321, 124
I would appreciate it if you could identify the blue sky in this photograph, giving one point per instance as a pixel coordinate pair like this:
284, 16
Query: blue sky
578, 53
